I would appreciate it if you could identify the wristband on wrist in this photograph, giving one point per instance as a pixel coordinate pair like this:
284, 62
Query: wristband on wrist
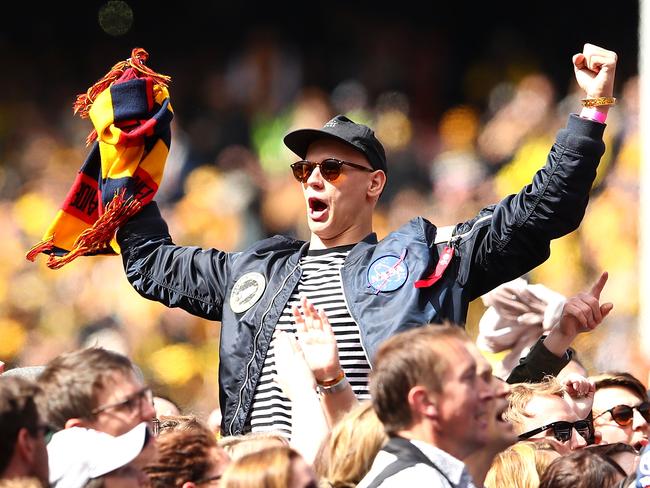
333, 381
333, 388
594, 114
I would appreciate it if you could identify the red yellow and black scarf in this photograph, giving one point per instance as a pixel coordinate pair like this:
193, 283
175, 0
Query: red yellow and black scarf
131, 114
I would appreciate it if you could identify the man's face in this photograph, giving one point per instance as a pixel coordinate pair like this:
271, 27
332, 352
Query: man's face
545, 409
123, 404
634, 434
40, 462
500, 432
464, 404
338, 212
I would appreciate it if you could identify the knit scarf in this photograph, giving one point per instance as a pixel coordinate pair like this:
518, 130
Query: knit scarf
131, 114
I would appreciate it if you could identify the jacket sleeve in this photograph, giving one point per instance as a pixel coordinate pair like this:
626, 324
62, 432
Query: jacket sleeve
539, 362
509, 239
191, 278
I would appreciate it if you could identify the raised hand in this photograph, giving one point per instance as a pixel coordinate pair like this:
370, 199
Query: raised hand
317, 341
584, 312
595, 69
293, 373
579, 393
581, 313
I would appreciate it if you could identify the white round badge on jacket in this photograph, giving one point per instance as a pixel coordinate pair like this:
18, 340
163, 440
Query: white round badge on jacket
247, 291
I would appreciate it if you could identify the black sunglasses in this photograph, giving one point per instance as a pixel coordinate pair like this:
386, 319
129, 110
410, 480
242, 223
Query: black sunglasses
624, 414
562, 430
330, 168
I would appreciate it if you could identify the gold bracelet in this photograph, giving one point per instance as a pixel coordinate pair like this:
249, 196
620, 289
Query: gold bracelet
598, 102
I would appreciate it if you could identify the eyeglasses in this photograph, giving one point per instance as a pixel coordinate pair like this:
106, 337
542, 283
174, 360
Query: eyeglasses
562, 430
330, 168
131, 403
623, 415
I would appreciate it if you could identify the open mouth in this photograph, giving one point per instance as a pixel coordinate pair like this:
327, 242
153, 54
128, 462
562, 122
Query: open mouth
641, 444
317, 209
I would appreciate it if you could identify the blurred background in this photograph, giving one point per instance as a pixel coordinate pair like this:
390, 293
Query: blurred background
467, 99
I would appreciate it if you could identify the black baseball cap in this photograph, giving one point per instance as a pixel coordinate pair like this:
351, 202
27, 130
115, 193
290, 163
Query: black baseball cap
342, 129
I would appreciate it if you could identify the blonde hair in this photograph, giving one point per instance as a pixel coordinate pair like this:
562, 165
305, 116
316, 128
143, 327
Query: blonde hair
347, 453
520, 466
522, 393
240, 445
268, 468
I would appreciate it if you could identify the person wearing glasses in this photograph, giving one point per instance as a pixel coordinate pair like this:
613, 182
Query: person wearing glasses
94, 388
370, 288
543, 411
621, 409
23, 434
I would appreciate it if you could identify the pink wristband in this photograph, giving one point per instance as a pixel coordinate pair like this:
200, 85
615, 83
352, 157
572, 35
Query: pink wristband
592, 114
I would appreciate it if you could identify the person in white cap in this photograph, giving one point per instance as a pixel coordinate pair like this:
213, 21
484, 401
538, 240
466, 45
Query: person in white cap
80, 457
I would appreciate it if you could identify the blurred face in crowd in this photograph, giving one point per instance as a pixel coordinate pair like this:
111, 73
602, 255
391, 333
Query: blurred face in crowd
632, 430
465, 403
33, 452
500, 432
545, 409
129, 476
122, 404
212, 476
302, 476
340, 212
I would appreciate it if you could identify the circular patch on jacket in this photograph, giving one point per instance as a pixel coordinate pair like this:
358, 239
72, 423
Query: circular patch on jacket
247, 291
387, 273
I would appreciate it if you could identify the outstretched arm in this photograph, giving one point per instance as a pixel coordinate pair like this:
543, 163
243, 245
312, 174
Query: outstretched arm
513, 237
191, 278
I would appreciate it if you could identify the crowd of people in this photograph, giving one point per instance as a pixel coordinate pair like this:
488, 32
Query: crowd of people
345, 394
438, 416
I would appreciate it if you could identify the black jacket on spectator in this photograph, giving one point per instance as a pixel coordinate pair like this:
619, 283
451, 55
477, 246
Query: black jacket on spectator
501, 243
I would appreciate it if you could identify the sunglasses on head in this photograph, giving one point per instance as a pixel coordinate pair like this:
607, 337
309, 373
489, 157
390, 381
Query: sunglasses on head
624, 414
330, 169
562, 430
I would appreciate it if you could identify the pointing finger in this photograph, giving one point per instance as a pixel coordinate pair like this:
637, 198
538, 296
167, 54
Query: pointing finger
599, 285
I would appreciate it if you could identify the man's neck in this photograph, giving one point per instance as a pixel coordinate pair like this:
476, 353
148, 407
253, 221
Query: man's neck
425, 433
478, 464
352, 236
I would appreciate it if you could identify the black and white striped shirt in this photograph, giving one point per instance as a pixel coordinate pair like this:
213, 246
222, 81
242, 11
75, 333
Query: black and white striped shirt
321, 284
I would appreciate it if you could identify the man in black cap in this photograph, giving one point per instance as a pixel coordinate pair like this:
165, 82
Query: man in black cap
369, 290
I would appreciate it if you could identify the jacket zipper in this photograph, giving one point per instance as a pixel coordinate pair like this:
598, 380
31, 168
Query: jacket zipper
259, 331
345, 300
454, 239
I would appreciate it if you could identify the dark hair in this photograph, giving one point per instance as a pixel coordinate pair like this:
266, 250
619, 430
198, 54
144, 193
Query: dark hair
620, 379
17, 411
184, 455
609, 450
583, 468
414, 357
71, 382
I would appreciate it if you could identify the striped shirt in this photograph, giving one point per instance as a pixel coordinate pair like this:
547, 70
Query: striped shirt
320, 282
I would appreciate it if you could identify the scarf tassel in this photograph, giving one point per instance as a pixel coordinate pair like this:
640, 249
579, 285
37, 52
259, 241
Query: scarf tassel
96, 238
118, 72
